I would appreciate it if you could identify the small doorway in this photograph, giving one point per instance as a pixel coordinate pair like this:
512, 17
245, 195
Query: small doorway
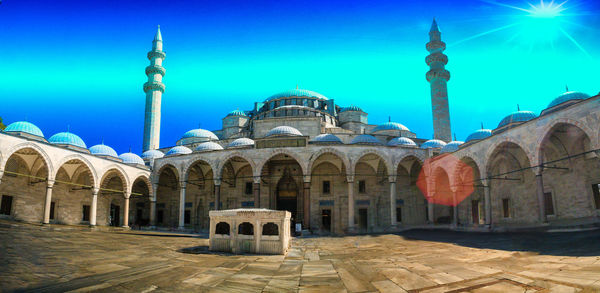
475, 212
362, 220
287, 193
6, 206
52, 205
326, 221
114, 215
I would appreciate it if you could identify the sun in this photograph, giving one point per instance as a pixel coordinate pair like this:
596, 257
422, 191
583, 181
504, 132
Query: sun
544, 10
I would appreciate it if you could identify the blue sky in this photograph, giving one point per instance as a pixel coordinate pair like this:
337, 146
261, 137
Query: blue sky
81, 63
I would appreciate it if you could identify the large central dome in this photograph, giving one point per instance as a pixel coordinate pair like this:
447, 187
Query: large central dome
296, 93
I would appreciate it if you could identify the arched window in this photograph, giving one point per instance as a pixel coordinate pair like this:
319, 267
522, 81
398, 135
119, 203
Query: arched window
222, 228
270, 229
246, 228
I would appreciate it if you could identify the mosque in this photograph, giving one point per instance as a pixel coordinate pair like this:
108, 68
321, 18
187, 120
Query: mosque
299, 151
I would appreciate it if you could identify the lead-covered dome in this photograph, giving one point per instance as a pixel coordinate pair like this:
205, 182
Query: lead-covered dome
284, 131
351, 108
178, 150
241, 142
326, 138
152, 154
515, 117
103, 150
297, 93
67, 138
390, 126
236, 113
24, 127
479, 134
131, 158
197, 135
365, 139
433, 144
566, 99
208, 146
452, 146
401, 141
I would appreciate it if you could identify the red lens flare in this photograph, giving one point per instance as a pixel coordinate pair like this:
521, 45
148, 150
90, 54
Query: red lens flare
446, 180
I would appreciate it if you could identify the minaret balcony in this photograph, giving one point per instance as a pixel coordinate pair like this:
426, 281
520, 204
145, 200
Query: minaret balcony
153, 69
438, 73
435, 46
436, 57
156, 54
154, 86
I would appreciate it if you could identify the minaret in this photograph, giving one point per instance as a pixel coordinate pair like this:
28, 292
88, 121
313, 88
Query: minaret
154, 89
437, 76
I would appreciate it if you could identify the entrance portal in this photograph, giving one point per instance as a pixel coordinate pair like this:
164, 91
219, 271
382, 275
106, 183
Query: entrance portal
287, 193
362, 220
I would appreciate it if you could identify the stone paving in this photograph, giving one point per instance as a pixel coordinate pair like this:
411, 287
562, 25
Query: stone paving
62, 258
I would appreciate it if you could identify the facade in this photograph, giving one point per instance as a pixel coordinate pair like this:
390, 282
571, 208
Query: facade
334, 172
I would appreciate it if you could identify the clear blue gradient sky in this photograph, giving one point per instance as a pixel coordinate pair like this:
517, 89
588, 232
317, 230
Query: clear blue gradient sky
81, 63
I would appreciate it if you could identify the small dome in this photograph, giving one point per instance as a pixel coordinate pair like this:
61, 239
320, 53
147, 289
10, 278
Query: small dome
131, 158
568, 96
452, 146
178, 150
284, 131
296, 93
241, 142
433, 144
390, 126
365, 139
25, 127
200, 133
401, 141
67, 138
479, 134
236, 113
326, 138
208, 146
351, 108
519, 116
103, 150
152, 154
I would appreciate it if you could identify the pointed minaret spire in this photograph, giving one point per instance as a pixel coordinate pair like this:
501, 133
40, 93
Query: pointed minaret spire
154, 89
158, 36
438, 76
434, 26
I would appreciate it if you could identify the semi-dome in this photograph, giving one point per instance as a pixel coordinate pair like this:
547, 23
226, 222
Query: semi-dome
401, 141
568, 96
479, 134
452, 146
326, 138
152, 154
131, 158
25, 127
365, 139
208, 146
296, 93
241, 142
284, 131
178, 150
103, 150
236, 113
351, 108
519, 116
433, 144
390, 126
67, 138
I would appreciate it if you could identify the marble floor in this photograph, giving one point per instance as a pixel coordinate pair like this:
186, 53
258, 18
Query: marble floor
64, 258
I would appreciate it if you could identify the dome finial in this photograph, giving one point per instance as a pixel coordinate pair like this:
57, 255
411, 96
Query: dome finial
518, 109
567, 87
481, 125
68, 128
296, 86
455, 136
389, 118
102, 141
130, 149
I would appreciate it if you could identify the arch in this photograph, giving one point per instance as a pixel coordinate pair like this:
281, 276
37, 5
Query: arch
84, 161
420, 156
187, 167
315, 156
35, 147
169, 166
493, 148
246, 228
119, 172
162, 164
223, 228
465, 159
549, 129
384, 158
146, 180
270, 229
225, 159
262, 163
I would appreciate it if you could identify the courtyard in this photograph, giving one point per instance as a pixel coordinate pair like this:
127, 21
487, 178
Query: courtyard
59, 258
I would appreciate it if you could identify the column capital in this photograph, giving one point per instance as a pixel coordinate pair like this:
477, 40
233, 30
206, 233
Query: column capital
217, 181
306, 178
538, 170
350, 178
392, 178
182, 184
256, 179
127, 194
95, 190
50, 183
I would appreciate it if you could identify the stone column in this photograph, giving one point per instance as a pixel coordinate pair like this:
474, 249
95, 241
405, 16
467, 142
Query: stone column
488, 202
94, 206
182, 186
540, 195
153, 205
306, 193
256, 190
351, 226
1, 174
257, 235
430, 215
49, 186
126, 211
217, 194
393, 205
454, 210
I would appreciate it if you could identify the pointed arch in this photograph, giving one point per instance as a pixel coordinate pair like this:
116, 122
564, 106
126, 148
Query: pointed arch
35, 147
85, 162
382, 156
225, 159
315, 156
548, 130
298, 160
146, 179
117, 170
187, 167
494, 148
